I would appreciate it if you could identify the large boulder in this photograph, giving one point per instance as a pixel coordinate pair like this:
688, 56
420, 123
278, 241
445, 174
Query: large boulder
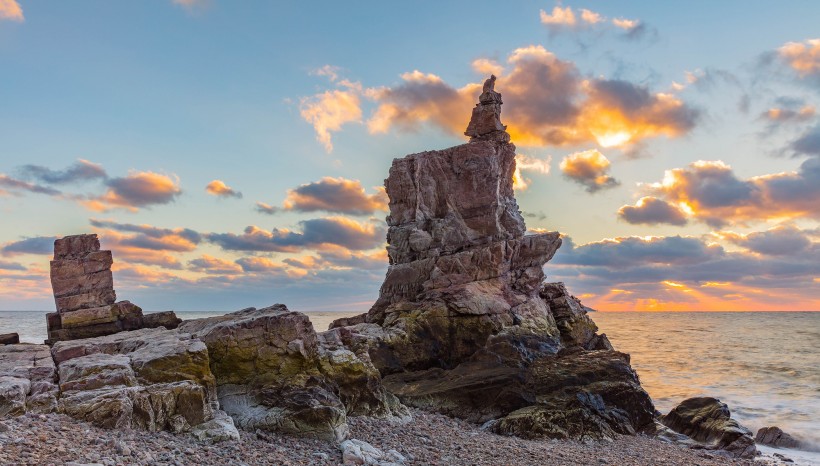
149, 379
709, 422
9, 339
274, 372
27, 380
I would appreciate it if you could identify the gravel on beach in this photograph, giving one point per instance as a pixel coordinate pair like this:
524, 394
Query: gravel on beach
427, 439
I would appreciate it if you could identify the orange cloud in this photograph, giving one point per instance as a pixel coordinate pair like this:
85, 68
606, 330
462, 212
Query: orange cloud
214, 266
559, 16
328, 111
710, 192
10, 10
802, 57
549, 103
589, 169
524, 163
135, 191
652, 211
219, 188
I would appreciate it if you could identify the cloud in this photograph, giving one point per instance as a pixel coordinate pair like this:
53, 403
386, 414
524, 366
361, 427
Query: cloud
80, 171
10, 10
525, 163
549, 103
803, 58
559, 17
338, 195
589, 169
686, 273
258, 264
328, 111
808, 143
267, 209
5, 265
782, 240
135, 191
152, 238
710, 192
779, 115
15, 185
220, 189
315, 233
214, 265
191, 4
486, 67
652, 211
33, 245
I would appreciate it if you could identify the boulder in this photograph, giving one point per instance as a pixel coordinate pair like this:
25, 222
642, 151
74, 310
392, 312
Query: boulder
775, 437
149, 379
274, 372
708, 421
9, 339
358, 452
27, 380
167, 319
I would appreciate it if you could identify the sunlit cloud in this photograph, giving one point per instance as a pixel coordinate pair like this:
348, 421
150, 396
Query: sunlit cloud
259, 264
10, 10
782, 240
652, 211
149, 237
781, 115
486, 67
337, 195
559, 17
214, 265
710, 192
564, 18
677, 273
136, 190
6, 265
220, 189
548, 102
802, 57
14, 186
328, 111
266, 209
590, 169
527, 164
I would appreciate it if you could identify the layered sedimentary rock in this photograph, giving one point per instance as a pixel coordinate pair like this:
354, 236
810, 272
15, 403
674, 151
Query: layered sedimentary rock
84, 294
149, 379
709, 422
775, 437
272, 372
464, 323
27, 380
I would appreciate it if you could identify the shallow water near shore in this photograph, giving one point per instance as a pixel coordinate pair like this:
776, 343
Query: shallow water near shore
764, 365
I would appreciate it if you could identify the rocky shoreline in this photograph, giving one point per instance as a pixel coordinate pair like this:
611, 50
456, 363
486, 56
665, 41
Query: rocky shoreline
428, 439
469, 356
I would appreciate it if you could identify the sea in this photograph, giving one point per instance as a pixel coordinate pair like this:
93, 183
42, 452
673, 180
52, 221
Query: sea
764, 365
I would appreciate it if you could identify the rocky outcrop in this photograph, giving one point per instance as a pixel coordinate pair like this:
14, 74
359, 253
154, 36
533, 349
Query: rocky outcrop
9, 339
464, 324
273, 373
84, 294
708, 421
27, 380
149, 379
775, 437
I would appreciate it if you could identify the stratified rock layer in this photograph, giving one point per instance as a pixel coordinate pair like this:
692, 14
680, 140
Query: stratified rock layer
149, 379
84, 294
272, 372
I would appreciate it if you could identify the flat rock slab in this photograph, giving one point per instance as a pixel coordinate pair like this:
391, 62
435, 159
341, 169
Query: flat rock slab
27, 380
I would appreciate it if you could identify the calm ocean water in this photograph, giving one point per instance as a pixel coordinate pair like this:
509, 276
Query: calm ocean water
765, 366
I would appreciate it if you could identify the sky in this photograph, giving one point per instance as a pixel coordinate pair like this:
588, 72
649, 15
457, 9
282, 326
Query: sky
232, 154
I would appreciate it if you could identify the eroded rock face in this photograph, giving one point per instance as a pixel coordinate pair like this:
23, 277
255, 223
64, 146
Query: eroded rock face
464, 324
27, 380
149, 379
273, 372
708, 421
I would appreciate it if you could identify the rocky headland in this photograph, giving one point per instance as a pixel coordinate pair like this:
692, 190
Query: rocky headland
469, 356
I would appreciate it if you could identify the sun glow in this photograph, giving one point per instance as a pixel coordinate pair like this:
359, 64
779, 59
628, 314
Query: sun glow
611, 139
